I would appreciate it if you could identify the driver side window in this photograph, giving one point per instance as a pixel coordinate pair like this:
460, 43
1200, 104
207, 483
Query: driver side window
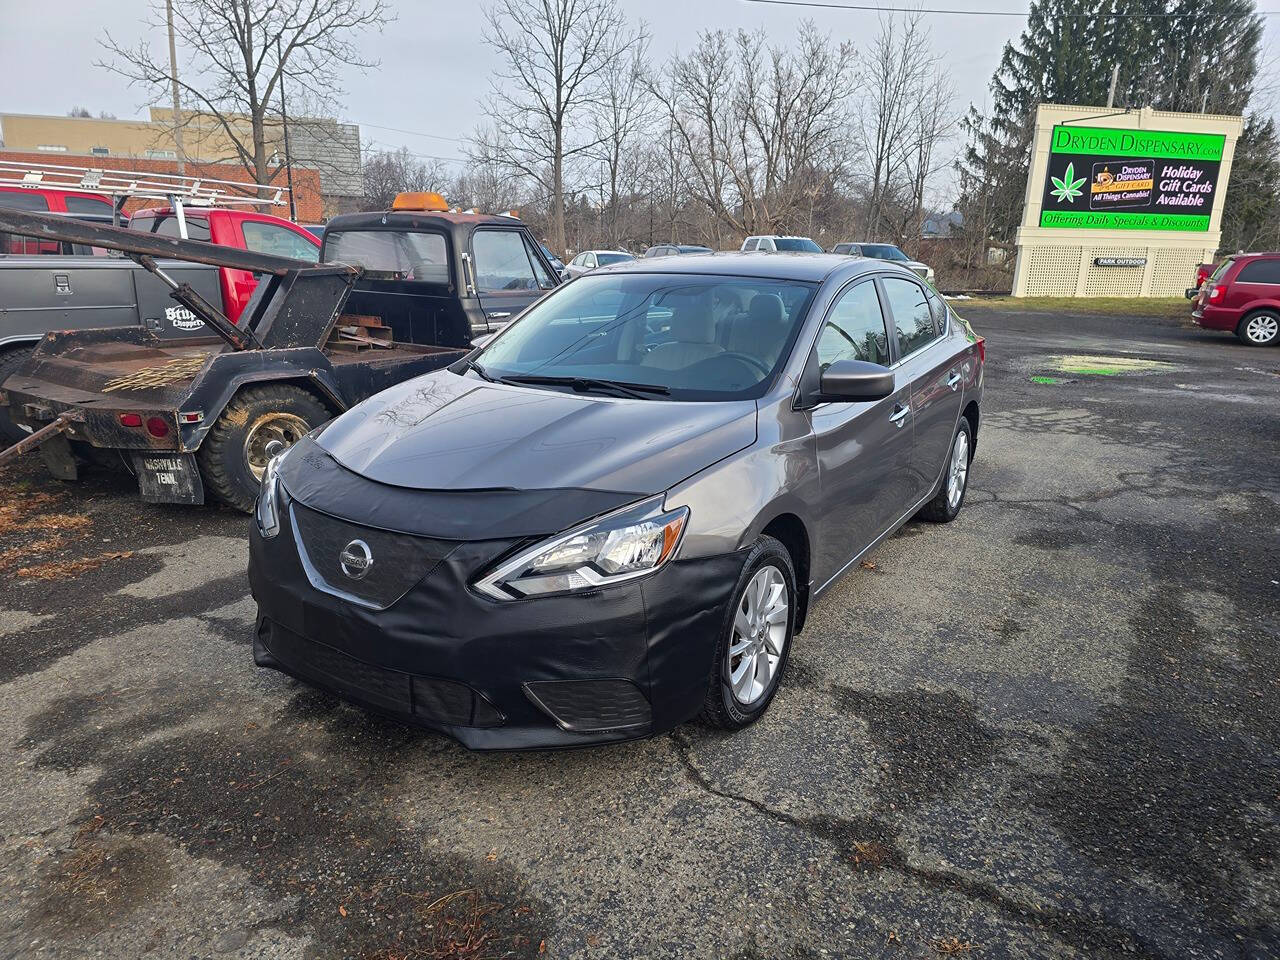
855, 328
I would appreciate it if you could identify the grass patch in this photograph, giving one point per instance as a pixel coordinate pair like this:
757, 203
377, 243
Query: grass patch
1177, 308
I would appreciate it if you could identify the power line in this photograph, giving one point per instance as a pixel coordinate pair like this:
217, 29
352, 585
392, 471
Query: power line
413, 133
881, 8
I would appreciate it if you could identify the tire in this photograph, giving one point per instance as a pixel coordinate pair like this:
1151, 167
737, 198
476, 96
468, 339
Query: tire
232, 455
1260, 329
10, 360
723, 707
945, 507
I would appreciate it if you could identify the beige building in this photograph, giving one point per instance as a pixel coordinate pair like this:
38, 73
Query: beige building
1122, 203
329, 147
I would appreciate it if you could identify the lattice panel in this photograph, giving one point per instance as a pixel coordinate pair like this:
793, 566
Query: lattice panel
1173, 271
1113, 281
1052, 271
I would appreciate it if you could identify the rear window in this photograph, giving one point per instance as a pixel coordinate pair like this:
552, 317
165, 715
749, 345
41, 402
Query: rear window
1222, 268
407, 255
167, 226
23, 200
613, 257
94, 206
1260, 271
796, 245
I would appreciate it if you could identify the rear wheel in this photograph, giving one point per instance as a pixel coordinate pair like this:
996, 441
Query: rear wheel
946, 505
755, 641
1261, 329
245, 438
10, 360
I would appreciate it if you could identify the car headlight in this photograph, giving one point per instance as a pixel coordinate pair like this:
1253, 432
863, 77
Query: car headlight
621, 546
267, 510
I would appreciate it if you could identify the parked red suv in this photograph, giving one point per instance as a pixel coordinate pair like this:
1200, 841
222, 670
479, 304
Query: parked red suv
93, 207
1243, 296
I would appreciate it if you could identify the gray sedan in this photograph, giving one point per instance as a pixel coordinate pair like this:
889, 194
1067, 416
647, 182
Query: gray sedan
614, 517
588, 260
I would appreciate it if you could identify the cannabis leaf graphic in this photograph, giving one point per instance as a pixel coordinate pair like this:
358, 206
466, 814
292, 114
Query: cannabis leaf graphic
1068, 188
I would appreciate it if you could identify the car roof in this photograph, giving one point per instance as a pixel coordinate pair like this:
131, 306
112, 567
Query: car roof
810, 267
389, 219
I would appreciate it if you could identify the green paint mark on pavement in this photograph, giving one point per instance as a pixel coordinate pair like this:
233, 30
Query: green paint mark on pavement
1046, 379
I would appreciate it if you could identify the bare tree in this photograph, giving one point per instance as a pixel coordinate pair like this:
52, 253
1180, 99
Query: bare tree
389, 172
556, 53
238, 54
623, 119
761, 129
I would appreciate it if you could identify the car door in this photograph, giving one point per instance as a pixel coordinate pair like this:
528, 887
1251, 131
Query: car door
509, 276
932, 366
863, 448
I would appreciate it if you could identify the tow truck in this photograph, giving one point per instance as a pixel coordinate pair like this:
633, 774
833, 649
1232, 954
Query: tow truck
203, 416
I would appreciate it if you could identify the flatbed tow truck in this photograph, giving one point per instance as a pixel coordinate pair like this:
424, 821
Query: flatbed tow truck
202, 416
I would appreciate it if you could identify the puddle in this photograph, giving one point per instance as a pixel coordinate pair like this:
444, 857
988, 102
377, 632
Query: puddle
1102, 366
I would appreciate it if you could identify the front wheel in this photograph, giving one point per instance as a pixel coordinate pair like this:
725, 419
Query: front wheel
944, 507
755, 641
257, 423
1261, 329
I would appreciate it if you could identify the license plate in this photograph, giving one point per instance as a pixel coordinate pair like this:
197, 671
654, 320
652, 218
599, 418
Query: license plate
168, 478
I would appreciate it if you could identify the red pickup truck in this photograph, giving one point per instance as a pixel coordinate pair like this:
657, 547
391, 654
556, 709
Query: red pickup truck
244, 229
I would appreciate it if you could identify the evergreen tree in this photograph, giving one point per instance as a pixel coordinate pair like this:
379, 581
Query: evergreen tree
1251, 218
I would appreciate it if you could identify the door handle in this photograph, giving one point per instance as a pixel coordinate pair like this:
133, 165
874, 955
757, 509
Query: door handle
899, 414
497, 316
953, 381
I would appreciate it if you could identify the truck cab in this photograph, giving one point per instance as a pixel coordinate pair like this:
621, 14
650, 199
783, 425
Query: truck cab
425, 265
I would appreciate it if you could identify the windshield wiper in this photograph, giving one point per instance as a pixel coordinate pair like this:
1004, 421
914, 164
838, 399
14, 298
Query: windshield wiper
480, 371
638, 391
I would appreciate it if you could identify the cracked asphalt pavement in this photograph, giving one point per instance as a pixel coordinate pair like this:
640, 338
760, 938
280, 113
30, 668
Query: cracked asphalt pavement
1049, 729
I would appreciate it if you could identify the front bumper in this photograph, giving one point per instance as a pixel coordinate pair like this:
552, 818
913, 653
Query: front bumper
623, 662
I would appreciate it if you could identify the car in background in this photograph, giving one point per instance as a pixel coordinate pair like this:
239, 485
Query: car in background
675, 250
1203, 272
588, 260
315, 229
775, 243
885, 251
612, 517
1242, 296
93, 207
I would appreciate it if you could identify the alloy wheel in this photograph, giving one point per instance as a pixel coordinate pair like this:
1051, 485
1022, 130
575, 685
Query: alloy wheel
958, 472
1262, 328
759, 635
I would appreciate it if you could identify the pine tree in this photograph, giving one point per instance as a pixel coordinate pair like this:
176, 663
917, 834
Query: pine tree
1251, 218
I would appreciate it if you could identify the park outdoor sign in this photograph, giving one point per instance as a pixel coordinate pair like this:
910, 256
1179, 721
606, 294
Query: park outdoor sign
1116, 179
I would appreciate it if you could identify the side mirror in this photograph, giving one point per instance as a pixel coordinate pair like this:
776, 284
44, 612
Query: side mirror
856, 380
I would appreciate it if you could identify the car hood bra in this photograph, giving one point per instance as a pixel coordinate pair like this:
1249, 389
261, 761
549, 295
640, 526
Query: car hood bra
447, 432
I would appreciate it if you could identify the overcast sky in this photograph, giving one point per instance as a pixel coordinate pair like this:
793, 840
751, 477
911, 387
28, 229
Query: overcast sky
433, 63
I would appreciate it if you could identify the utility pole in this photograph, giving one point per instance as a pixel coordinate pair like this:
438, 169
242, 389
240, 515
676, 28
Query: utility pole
1115, 79
173, 78
1204, 102
284, 120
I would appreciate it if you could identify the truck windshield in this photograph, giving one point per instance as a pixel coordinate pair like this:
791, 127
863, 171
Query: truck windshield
699, 337
416, 255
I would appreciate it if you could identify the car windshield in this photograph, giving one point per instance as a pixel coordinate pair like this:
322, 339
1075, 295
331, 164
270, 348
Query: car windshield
604, 258
797, 245
695, 337
883, 251
691, 248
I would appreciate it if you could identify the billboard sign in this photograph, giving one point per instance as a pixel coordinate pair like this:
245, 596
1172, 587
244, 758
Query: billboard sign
1100, 178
